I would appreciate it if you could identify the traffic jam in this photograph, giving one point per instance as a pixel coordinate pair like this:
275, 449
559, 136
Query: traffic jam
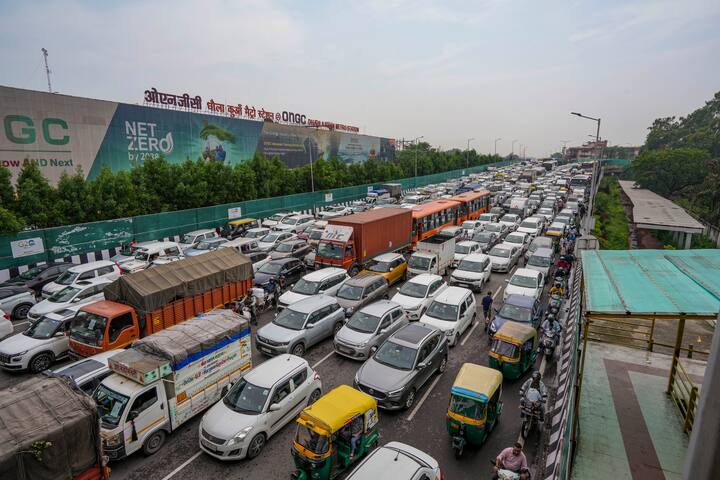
409, 335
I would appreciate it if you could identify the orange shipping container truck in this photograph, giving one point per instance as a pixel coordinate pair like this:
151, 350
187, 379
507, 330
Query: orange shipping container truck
351, 242
146, 302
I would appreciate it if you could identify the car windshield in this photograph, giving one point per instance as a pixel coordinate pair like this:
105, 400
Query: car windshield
284, 248
255, 234
462, 249
291, 319
311, 440
486, 217
468, 225
110, 404
64, 295
67, 278
330, 250
493, 227
270, 268
419, 263
290, 221
514, 312
188, 239
277, 217
470, 266
306, 287
30, 274
442, 311
509, 218
395, 355
270, 238
514, 239
244, 397
538, 261
523, 281
412, 289
379, 267
500, 252
362, 322
483, 237
532, 225
506, 349
205, 245
88, 328
142, 255
350, 292
467, 407
43, 328
315, 234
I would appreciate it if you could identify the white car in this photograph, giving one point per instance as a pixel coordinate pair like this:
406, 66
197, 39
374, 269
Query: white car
191, 238
39, 346
397, 461
6, 326
276, 218
470, 228
257, 232
326, 281
273, 238
415, 295
335, 211
519, 239
452, 311
156, 253
86, 291
463, 249
525, 282
87, 373
267, 398
86, 271
294, 224
486, 218
472, 272
547, 213
511, 220
532, 226
504, 256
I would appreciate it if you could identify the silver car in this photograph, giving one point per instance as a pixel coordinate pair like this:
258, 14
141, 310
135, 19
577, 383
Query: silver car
300, 326
368, 328
16, 301
402, 365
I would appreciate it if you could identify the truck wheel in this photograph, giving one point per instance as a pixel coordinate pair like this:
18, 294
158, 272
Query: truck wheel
154, 443
298, 350
256, 445
21, 311
41, 362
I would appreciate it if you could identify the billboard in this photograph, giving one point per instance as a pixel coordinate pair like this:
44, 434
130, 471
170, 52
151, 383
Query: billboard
61, 133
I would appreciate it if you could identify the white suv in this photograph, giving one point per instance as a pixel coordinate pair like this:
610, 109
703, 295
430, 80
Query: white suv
326, 281
87, 271
294, 224
154, 254
74, 296
452, 311
258, 406
191, 238
415, 295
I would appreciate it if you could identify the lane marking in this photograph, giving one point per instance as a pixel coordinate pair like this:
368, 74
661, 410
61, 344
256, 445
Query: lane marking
424, 397
21, 323
182, 465
475, 324
323, 359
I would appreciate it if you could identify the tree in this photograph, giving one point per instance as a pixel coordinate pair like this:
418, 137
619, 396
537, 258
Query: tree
7, 192
671, 172
73, 198
36, 198
10, 224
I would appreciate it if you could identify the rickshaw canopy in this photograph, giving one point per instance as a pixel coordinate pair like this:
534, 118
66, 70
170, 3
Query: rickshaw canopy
241, 221
336, 408
476, 382
517, 333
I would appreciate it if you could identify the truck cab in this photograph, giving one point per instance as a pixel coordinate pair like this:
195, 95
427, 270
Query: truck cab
336, 248
103, 326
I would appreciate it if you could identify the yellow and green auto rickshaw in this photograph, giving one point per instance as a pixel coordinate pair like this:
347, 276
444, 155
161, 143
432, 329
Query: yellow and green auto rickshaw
475, 405
237, 227
333, 433
514, 349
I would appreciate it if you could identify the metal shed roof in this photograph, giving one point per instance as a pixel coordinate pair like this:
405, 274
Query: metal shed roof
652, 211
664, 282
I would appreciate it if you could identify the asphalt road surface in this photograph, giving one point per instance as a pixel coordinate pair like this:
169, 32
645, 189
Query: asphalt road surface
423, 426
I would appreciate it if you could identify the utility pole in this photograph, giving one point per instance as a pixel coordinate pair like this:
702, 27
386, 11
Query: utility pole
467, 153
47, 68
496, 140
416, 155
512, 148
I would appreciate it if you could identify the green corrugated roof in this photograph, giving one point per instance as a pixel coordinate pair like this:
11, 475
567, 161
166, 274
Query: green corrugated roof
652, 281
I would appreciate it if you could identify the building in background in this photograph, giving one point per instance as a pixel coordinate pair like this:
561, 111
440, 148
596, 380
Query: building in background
600, 149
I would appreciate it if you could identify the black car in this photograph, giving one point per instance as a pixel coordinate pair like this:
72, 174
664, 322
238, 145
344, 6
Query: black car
290, 268
290, 248
487, 240
37, 277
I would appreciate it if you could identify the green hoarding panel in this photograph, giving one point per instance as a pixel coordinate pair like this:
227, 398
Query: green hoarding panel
87, 237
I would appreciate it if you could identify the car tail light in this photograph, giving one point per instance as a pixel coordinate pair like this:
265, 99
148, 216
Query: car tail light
315, 376
7, 316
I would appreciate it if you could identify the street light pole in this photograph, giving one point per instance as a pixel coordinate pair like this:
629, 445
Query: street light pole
597, 134
416, 155
467, 153
512, 148
496, 140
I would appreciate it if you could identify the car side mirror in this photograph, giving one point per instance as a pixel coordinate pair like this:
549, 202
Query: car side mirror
383, 331
373, 349
507, 280
274, 407
310, 325
421, 366
75, 300
132, 415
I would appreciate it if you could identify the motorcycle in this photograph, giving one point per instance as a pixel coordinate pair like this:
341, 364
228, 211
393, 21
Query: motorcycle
547, 345
555, 303
530, 410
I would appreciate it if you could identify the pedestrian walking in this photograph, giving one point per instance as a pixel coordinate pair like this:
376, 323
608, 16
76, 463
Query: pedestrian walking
487, 302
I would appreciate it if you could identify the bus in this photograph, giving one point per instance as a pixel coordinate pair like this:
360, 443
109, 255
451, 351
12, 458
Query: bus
472, 204
429, 218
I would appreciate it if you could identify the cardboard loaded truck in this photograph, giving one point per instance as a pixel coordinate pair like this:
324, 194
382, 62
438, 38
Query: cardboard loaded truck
147, 302
50, 430
351, 242
169, 377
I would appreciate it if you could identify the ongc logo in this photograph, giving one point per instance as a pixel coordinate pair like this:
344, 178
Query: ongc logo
22, 130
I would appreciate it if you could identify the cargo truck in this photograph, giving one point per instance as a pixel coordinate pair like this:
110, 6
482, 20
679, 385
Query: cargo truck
351, 242
50, 430
432, 255
394, 189
147, 302
169, 377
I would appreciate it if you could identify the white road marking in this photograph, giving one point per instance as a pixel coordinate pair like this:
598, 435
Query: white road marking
21, 323
422, 400
323, 359
475, 324
182, 465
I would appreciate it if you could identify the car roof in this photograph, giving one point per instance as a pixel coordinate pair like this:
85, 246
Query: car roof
543, 252
387, 257
101, 357
239, 241
506, 245
393, 460
216, 240
157, 245
425, 278
363, 279
15, 289
284, 260
526, 272
256, 229
520, 300
291, 241
268, 373
310, 304
302, 215
452, 295
467, 243
516, 234
198, 232
323, 273
476, 257
412, 334
84, 267
379, 308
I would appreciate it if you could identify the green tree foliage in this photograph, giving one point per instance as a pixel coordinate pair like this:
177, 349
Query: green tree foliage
672, 171
611, 224
9, 222
36, 199
7, 192
73, 197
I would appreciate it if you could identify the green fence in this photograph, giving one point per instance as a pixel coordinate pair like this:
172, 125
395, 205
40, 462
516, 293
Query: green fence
77, 239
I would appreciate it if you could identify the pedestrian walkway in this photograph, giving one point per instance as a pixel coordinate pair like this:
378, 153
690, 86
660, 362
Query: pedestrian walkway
629, 427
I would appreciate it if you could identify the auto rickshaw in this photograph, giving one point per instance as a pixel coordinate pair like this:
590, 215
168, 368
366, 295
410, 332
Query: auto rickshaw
474, 406
237, 227
514, 349
334, 432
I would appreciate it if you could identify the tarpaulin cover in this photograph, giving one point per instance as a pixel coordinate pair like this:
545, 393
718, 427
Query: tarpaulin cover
155, 287
667, 282
47, 409
186, 342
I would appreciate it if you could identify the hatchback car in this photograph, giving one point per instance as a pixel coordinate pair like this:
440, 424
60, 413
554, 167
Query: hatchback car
532, 226
511, 220
267, 398
360, 290
191, 238
300, 326
539, 242
463, 249
87, 373
397, 461
205, 246
504, 256
290, 248
542, 260
291, 269
518, 239
78, 273
472, 272
517, 308
404, 362
16, 300
326, 281
83, 292
452, 311
392, 266
470, 227
368, 328
525, 281
267, 242
276, 218
415, 295
257, 233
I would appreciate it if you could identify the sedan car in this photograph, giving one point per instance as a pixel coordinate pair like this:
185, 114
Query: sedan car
392, 266
504, 256
518, 239
511, 220
290, 248
205, 246
500, 229
368, 328
486, 218
487, 240
452, 311
291, 269
532, 226
16, 300
257, 232
83, 292
397, 461
361, 290
415, 295
267, 242
335, 211
526, 282
402, 365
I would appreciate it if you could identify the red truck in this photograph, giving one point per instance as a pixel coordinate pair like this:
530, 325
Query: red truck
145, 302
351, 242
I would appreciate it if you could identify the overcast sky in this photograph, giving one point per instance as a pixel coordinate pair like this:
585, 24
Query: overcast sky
444, 69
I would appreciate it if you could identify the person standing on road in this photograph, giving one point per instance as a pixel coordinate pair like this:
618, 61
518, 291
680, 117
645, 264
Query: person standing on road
487, 302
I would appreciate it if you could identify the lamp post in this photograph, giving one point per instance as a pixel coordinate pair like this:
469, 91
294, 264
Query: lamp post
512, 148
416, 155
597, 134
496, 140
467, 153
520, 147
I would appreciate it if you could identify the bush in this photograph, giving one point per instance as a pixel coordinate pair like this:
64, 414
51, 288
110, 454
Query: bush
611, 224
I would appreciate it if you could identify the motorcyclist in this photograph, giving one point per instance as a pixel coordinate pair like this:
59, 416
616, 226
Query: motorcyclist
535, 382
514, 460
551, 324
557, 288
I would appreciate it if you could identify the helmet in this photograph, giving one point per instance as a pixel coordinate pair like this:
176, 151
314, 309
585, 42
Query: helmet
536, 376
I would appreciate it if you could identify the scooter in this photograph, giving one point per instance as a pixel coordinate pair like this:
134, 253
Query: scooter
547, 345
530, 410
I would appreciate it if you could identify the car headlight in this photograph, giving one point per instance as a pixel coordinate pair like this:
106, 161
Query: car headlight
18, 354
395, 393
115, 440
240, 436
449, 333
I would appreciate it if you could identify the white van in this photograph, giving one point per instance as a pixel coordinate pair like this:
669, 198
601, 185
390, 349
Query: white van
191, 238
243, 245
87, 271
157, 253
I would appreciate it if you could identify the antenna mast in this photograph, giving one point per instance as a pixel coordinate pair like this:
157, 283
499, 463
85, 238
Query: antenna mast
47, 69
